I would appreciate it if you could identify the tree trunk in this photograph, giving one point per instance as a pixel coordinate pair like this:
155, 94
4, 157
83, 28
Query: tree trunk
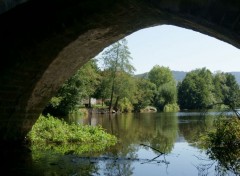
113, 80
111, 100
116, 104
89, 102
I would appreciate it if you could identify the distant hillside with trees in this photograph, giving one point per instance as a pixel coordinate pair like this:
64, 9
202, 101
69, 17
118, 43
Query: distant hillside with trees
180, 75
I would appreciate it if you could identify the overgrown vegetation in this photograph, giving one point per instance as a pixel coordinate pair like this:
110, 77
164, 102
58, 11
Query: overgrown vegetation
50, 133
222, 143
166, 90
171, 108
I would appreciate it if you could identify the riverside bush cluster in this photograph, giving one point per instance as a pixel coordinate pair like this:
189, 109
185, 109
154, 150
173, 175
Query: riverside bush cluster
50, 133
223, 143
171, 107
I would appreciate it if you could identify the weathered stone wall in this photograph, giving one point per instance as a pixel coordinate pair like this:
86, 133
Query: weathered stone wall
42, 43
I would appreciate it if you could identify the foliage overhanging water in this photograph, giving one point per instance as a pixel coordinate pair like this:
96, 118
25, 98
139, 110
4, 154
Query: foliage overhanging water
149, 144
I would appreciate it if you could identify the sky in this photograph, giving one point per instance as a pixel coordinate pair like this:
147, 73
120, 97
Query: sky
180, 49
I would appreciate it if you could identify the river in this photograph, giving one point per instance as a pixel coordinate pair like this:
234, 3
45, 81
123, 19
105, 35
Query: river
149, 144
144, 135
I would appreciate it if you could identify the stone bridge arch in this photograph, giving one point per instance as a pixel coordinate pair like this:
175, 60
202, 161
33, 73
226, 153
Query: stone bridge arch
42, 43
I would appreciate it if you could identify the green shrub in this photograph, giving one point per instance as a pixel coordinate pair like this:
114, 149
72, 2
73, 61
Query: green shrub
125, 105
223, 143
52, 133
171, 108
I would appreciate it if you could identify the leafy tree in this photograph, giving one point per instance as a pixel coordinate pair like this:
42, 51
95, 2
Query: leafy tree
227, 90
103, 90
125, 105
89, 79
160, 75
231, 92
222, 143
80, 86
116, 59
219, 81
126, 88
196, 90
144, 94
166, 92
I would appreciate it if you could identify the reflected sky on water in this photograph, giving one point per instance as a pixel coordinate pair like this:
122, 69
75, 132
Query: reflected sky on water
174, 134
149, 144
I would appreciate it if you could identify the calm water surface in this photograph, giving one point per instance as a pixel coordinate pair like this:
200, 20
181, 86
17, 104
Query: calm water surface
174, 134
149, 144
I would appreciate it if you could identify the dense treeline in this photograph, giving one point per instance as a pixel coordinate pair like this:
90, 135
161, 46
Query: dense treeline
115, 84
202, 89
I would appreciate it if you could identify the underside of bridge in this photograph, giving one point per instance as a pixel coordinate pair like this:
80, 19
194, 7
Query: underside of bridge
43, 43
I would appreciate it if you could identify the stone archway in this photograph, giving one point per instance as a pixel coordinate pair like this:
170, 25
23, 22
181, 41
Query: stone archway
42, 43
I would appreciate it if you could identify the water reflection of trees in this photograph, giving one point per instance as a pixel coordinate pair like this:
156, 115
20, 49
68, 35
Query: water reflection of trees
222, 146
191, 127
222, 166
160, 131
223, 143
57, 164
156, 130
120, 167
